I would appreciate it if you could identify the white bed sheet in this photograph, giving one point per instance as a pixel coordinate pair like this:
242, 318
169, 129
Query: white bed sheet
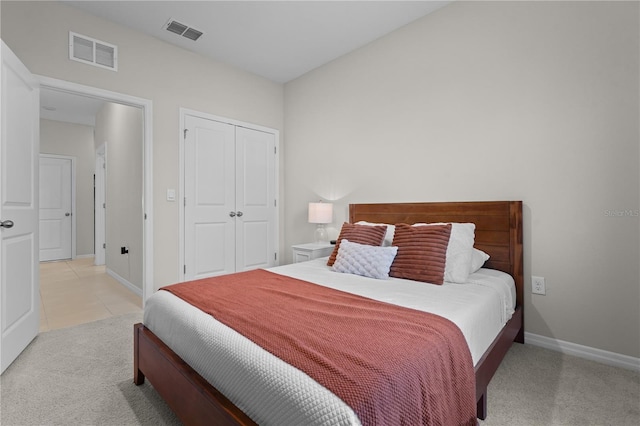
271, 391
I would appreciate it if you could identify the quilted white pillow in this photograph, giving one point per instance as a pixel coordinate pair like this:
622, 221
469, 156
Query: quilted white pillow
459, 251
365, 260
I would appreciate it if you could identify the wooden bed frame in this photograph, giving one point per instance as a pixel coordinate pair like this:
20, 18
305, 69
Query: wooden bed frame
498, 233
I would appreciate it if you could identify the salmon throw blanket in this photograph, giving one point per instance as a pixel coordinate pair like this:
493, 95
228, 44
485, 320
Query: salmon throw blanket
391, 365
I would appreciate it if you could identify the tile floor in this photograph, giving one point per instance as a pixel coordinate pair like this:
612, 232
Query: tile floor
76, 291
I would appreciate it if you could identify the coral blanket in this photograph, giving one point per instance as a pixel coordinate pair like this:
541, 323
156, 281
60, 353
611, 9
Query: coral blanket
392, 365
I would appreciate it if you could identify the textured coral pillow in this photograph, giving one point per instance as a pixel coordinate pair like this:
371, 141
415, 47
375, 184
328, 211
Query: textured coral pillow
361, 234
361, 259
459, 252
388, 238
422, 252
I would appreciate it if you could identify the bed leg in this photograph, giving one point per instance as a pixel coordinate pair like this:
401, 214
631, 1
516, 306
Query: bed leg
481, 407
138, 376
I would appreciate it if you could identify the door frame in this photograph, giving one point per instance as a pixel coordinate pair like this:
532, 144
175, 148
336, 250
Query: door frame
147, 199
73, 196
180, 195
99, 202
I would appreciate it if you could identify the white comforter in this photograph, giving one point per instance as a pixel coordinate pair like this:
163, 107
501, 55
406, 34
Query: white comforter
271, 391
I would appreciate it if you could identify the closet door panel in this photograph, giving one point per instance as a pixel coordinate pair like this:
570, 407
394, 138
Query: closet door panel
255, 198
209, 198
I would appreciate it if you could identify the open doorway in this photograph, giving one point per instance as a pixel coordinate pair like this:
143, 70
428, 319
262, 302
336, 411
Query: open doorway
130, 266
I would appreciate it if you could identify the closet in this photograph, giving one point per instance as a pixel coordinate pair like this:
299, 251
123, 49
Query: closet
230, 211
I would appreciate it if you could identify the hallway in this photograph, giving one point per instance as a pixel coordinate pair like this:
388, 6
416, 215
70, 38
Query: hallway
76, 291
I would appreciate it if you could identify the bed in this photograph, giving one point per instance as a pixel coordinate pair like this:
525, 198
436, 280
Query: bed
498, 233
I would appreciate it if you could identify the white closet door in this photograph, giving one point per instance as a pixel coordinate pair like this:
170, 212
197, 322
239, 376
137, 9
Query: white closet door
209, 191
255, 199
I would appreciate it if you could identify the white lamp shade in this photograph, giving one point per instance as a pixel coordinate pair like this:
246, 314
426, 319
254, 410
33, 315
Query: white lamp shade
320, 212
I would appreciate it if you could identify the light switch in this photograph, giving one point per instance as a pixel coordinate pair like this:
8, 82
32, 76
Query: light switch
171, 194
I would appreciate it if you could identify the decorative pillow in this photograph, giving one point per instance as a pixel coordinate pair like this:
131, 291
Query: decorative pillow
388, 238
365, 260
361, 234
459, 251
477, 260
422, 252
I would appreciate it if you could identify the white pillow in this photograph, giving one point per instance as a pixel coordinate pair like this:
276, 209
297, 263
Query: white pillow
459, 251
477, 260
391, 230
365, 260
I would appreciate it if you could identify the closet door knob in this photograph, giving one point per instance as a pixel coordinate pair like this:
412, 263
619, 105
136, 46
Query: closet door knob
232, 214
6, 224
239, 214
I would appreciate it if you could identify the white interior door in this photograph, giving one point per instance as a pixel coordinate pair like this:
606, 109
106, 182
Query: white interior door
19, 273
209, 191
56, 208
255, 199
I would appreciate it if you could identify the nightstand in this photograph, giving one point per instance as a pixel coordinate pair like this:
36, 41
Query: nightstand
310, 251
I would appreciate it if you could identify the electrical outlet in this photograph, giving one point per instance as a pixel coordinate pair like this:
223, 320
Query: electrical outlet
538, 286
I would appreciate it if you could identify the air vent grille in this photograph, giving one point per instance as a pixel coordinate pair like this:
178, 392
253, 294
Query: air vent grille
93, 52
183, 30
176, 27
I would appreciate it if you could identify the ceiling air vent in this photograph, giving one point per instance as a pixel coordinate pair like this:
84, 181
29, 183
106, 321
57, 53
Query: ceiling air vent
183, 30
93, 52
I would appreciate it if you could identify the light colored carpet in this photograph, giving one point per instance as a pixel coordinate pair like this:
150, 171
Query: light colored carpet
83, 376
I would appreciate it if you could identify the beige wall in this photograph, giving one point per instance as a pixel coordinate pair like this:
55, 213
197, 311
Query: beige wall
75, 140
535, 101
120, 129
170, 77
532, 101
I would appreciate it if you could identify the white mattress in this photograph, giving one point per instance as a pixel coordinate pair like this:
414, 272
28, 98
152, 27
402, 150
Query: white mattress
271, 391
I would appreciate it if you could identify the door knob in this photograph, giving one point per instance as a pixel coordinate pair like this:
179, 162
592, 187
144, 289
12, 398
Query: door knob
232, 214
6, 224
239, 214
67, 214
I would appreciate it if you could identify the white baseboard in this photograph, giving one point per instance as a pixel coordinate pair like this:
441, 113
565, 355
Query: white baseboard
586, 352
84, 256
125, 283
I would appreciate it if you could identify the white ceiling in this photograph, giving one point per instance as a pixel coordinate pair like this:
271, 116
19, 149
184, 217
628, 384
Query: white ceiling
70, 108
279, 40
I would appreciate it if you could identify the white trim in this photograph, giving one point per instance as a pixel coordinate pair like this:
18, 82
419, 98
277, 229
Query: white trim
186, 111
586, 352
124, 282
84, 256
147, 199
99, 203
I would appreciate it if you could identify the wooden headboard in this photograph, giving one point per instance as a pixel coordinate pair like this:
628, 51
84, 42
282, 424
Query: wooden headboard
498, 227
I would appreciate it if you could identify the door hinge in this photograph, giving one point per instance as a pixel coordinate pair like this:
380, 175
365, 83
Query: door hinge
184, 269
185, 201
275, 150
104, 245
185, 133
274, 203
145, 216
275, 256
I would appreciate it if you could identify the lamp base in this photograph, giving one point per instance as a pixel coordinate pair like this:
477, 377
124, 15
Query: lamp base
321, 234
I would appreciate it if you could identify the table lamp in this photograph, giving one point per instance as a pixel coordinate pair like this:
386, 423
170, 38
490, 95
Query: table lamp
321, 214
